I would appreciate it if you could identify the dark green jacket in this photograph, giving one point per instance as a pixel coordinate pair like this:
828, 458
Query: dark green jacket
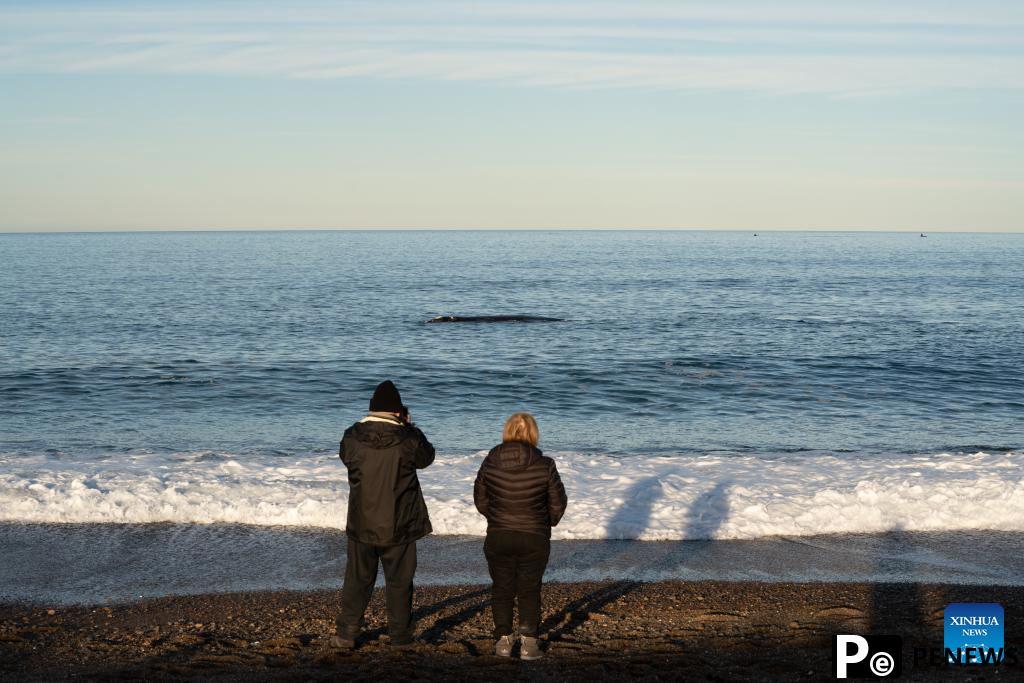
385, 503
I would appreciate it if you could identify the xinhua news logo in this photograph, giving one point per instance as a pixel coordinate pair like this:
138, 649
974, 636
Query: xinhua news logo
868, 656
972, 633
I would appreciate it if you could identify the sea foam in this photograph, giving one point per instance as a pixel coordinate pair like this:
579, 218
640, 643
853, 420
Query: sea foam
650, 498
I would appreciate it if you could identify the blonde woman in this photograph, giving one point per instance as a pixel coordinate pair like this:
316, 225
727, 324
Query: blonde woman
520, 493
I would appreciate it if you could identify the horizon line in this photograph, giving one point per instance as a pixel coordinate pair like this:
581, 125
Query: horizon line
109, 231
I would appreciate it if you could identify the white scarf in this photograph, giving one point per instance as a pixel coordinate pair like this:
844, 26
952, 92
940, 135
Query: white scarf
382, 417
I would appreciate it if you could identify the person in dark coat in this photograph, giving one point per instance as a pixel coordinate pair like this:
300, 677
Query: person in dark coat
386, 514
520, 493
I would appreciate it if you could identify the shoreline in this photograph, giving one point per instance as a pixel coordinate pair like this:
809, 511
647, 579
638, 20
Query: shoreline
745, 631
64, 564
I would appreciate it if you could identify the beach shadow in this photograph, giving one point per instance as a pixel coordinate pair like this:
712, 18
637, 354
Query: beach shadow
631, 520
181, 657
705, 516
900, 607
894, 603
566, 620
661, 560
708, 512
633, 516
435, 632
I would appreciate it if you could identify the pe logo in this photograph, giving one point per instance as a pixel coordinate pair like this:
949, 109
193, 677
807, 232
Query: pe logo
976, 630
868, 656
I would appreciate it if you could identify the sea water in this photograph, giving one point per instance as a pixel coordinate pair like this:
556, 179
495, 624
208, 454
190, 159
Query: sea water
700, 385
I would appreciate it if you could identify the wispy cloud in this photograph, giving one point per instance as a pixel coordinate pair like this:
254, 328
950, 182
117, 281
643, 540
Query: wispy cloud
783, 47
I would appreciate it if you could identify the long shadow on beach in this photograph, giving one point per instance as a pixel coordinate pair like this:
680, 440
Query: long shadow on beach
573, 615
634, 515
705, 516
708, 512
899, 607
655, 560
629, 521
434, 633
894, 603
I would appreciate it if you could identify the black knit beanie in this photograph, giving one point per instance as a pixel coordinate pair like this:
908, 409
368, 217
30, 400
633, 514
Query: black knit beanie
386, 398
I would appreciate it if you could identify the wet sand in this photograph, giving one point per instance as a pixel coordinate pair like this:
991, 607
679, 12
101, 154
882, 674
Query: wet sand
698, 630
111, 563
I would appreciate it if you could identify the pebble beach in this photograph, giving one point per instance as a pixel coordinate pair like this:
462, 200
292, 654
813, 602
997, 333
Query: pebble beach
701, 630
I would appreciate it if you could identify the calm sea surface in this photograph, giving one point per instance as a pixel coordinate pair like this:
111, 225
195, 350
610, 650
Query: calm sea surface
673, 342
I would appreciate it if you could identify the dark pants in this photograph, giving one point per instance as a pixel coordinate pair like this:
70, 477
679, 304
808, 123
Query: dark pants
361, 573
516, 561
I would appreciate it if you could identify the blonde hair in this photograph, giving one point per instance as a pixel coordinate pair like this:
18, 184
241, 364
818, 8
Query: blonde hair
521, 427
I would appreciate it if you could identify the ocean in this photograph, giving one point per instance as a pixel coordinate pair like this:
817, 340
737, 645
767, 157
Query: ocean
699, 385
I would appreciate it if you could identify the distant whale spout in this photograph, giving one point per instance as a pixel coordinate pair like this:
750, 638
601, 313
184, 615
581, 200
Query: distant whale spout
494, 319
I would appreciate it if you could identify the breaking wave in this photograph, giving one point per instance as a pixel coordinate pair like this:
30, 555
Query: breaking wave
650, 497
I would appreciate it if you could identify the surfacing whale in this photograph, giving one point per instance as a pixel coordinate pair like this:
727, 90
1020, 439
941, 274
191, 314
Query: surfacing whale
494, 319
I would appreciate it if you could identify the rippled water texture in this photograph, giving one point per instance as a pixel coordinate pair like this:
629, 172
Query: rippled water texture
672, 342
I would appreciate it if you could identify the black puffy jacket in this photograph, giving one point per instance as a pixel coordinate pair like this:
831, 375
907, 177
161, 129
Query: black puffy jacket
385, 503
518, 489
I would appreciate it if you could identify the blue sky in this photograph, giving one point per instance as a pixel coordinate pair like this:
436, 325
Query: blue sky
736, 115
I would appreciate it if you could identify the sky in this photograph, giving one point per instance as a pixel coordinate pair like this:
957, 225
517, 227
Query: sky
729, 114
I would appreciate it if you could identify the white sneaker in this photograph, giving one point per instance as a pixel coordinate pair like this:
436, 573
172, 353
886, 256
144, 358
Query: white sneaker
529, 649
503, 648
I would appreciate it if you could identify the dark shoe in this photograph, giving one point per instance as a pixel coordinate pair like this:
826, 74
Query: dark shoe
342, 643
405, 644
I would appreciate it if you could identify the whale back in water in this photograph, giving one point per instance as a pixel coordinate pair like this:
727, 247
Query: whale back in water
493, 319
